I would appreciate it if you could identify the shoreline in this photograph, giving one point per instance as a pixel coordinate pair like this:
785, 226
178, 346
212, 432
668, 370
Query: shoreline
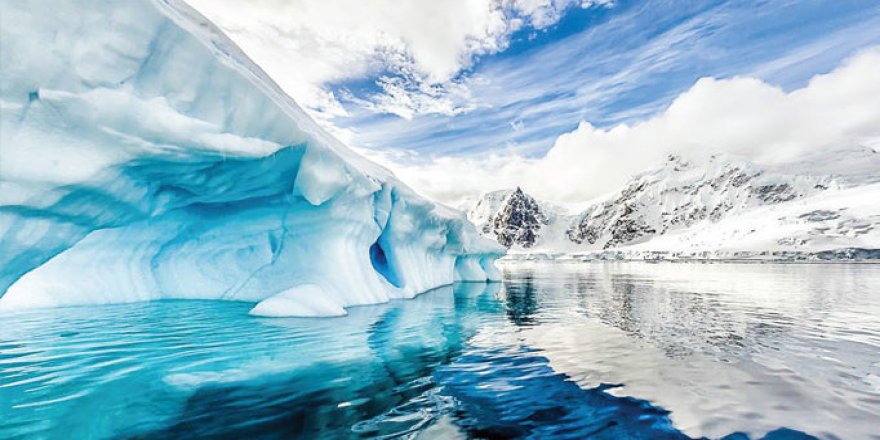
834, 256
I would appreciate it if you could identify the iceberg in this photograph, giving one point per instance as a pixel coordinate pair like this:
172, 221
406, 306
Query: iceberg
143, 156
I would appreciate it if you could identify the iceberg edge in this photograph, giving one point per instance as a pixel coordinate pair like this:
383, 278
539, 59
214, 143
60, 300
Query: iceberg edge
151, 159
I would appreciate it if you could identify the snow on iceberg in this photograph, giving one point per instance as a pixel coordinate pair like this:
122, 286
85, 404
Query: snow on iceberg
144, 156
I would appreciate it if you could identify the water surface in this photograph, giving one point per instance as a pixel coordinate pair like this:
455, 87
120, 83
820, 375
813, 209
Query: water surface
559, 350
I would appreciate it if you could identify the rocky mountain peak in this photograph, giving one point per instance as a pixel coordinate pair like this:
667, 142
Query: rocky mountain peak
514, 220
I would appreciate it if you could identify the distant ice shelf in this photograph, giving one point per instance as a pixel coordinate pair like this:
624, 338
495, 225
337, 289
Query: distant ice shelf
144, 156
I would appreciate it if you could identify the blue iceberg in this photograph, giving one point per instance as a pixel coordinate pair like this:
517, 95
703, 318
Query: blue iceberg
144, 157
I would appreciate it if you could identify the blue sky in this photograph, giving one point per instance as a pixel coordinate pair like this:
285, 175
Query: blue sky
612, 65
568, 98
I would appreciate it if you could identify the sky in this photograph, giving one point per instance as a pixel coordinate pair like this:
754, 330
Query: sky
567, 98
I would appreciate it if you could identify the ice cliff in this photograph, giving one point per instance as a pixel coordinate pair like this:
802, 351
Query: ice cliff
144, 156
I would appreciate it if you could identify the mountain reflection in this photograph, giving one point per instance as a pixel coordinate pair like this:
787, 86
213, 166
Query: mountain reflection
608, 351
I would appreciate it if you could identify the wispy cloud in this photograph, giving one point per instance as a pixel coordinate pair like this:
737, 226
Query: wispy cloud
741, 116
414, 52
624, 68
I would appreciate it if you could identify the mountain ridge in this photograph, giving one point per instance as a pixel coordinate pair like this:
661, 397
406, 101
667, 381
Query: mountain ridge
715, 205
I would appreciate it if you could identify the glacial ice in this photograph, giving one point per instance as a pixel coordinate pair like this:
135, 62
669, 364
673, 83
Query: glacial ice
144, 156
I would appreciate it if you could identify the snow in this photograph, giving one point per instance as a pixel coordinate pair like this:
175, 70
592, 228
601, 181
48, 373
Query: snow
844, 218
823, 205
146, 157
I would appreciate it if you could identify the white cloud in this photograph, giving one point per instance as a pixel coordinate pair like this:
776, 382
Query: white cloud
742, 116
547, 90
542, 13
407, 96
305, 45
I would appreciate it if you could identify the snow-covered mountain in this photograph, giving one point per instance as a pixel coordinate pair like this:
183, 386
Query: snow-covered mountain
510, 217
144, 156
715, 206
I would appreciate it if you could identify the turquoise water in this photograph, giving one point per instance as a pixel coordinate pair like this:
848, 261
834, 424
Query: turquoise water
610, 350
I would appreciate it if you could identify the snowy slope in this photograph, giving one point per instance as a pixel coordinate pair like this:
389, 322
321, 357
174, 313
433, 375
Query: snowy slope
721, 207
144, 156
833, 219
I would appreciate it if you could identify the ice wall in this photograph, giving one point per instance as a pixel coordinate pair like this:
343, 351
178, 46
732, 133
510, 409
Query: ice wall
144, 156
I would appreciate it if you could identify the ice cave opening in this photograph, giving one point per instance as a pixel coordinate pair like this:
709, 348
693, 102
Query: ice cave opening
381, 265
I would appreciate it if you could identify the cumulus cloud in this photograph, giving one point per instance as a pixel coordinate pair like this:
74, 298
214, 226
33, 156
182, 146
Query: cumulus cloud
417, 49
741, 116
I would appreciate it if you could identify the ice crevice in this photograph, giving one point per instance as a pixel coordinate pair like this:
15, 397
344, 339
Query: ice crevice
159, 162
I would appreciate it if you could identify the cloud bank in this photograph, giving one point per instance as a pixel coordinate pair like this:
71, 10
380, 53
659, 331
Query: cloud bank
741, 116
416, 48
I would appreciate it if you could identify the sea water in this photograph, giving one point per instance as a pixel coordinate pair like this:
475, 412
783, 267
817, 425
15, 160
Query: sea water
558, 350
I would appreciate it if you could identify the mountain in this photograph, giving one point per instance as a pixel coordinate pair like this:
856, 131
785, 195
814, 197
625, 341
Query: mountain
513, 218
144, 156
716, 206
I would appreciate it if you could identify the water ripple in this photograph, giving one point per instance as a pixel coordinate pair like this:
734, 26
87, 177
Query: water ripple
557, 351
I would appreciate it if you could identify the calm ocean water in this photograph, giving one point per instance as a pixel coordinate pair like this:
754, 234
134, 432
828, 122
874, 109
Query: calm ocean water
558, 350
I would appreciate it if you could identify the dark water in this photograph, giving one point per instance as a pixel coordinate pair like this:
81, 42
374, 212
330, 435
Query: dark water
608, 351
